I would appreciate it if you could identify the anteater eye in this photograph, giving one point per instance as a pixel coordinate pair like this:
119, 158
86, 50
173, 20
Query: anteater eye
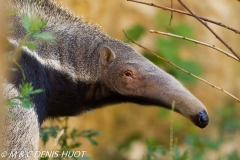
128, 74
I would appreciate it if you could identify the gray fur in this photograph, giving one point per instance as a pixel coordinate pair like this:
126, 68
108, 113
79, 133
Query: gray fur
82, 69
22, 134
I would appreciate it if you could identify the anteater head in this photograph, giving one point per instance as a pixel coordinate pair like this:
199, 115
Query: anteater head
126, 72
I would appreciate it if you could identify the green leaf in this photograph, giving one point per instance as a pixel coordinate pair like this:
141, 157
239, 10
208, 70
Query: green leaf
10, 115
75, 145
36, 91
54, 131
176, 153
213, 144
191, 67
37, 24
32, 24
135, 32
73, 134
90, 133
12, 103
25, 88
30, 45
153, 59
43, 35
26, 22
160, 150
44, 137
126, 144
93, 142
26, 103
184, 155
167, 48
182, 29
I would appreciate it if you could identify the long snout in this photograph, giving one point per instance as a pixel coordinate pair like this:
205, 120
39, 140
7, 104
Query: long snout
165, 89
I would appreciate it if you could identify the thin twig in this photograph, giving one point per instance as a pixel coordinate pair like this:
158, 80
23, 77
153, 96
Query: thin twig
59, 135
186, 13
171, 133
210, 29
21, 69
171, 13
183, 70
197, 42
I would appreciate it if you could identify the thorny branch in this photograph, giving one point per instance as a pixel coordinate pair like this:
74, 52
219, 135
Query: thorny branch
197, 42
186, 13
210, 29
183, 70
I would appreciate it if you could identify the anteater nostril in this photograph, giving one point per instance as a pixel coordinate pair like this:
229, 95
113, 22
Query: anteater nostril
201, 119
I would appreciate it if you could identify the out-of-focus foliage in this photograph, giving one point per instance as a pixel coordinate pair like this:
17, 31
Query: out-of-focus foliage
135, 32
193, 146
227, 121
68, 140
196, 147
199, 146
152, 150
169, 47
191, 140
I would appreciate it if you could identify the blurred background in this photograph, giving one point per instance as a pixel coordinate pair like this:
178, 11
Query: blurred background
2, 60
133, 132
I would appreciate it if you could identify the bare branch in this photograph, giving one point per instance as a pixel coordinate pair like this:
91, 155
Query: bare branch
186, 13
197, 42
210, 29
183, 70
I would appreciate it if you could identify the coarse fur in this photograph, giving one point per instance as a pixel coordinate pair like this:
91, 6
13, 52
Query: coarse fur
22, 133
83, 69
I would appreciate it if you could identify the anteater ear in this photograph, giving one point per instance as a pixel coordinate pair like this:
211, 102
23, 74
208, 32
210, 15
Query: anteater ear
107, 56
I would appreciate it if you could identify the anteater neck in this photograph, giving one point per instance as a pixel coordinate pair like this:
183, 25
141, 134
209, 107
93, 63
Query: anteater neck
68, 97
